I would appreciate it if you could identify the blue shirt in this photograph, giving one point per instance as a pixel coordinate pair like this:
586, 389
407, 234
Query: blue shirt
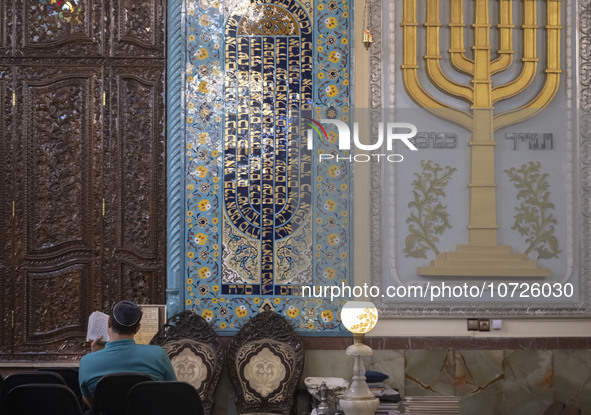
123, 356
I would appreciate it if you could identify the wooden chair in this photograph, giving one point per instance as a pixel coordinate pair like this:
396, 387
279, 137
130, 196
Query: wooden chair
164, 398
42, 398
110, 395
195, 351
22, 378
265, 362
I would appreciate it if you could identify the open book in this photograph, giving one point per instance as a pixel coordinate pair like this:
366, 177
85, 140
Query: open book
98, 326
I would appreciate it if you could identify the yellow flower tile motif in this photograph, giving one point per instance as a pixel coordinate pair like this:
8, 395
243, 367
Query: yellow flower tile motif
329, 273
330, 205
333, 239
204, 205
201, 171
332, 91
241, 311
331, 22
333, 137
334, 171
334, 56
201, 238
292, 312
204, 272
207, 315
205, 20
326, 316
201, 54
203, 87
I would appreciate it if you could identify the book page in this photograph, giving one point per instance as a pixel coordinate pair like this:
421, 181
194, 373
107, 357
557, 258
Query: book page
98, 326
149, 324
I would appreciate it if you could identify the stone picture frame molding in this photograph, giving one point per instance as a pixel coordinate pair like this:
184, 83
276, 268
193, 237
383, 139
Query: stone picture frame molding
382, 68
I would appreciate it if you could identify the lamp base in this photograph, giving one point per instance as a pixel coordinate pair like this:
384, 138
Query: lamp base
359, 406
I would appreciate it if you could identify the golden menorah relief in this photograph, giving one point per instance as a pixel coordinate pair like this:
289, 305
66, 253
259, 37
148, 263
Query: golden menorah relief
482, 255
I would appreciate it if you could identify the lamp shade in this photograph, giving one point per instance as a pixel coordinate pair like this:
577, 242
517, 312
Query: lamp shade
359, 316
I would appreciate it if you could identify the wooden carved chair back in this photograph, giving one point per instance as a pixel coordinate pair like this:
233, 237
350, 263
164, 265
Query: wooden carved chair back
195, 351
265, 362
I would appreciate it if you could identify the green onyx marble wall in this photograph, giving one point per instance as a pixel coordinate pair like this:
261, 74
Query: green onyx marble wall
489, 382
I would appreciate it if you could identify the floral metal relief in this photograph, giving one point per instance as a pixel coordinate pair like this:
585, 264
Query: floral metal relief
533, 218
263, 217
428, 217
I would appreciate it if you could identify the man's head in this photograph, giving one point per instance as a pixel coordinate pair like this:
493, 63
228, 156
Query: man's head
125, 317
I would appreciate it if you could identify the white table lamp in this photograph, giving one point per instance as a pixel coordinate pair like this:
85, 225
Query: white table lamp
359, 317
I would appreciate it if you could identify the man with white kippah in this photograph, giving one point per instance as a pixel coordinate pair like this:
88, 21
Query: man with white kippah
121, 353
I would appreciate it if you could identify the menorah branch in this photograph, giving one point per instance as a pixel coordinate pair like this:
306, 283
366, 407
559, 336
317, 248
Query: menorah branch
505, 28
552, 73
410, 69
456, 27
529, 60
433, 58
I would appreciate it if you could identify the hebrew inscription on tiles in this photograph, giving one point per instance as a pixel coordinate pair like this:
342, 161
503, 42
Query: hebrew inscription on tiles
264, 217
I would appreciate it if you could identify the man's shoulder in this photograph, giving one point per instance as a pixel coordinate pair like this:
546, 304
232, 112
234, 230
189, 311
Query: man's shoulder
150, 348
92, 357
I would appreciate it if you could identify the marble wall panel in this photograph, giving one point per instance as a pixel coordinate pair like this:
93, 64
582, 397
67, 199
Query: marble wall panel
478, 380
390, 362
528, 384
429, 372
572, 378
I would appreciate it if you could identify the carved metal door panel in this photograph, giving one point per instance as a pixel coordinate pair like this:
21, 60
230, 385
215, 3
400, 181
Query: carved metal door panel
135, 183
59, 28
58, 206
6, 178
137, 28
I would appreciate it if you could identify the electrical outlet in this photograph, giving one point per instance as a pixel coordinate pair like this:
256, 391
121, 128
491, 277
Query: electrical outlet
473, 324
483, 324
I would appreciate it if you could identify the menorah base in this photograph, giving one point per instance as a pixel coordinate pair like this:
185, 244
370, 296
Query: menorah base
483, 261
